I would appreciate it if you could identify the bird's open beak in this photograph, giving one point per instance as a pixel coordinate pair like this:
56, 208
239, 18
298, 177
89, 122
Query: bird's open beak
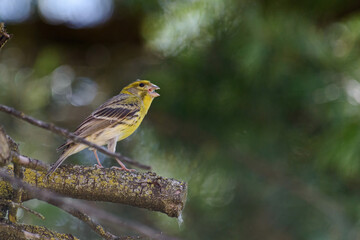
152, 89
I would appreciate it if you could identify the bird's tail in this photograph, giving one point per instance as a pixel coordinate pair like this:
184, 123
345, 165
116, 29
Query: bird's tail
56, 165
66, 153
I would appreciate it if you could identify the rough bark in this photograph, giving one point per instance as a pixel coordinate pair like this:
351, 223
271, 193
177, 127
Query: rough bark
11, 231
145, 190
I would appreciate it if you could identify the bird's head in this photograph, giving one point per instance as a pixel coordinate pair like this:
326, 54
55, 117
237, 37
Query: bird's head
141, 88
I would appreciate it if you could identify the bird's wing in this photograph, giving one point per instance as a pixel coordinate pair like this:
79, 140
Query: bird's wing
121, 108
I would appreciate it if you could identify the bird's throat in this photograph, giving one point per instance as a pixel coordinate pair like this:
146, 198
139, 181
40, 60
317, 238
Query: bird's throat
147, 100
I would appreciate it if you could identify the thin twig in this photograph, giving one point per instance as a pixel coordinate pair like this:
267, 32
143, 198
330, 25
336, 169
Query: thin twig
72, 205
29, 162
87, 219
39, 215
67, 134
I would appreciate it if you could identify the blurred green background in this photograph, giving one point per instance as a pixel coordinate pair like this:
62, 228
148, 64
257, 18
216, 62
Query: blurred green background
259, 108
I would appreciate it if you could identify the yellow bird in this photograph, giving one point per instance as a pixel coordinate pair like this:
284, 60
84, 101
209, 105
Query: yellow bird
113, 121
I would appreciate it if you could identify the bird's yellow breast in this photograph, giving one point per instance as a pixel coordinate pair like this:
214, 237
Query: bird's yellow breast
119, 130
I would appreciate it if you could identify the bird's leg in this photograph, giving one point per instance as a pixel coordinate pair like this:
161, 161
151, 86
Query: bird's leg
111, 144
97, 159
122, 166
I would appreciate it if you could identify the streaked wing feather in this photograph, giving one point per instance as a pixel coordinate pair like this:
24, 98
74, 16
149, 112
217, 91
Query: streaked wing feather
88, 127
93, 126
115, 110
114, 114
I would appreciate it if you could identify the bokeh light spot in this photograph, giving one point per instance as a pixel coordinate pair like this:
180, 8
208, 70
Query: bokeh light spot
76, 13
15, 11
61, 83
83, 91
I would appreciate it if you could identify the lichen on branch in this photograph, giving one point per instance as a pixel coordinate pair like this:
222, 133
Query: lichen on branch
12, 231
146, 190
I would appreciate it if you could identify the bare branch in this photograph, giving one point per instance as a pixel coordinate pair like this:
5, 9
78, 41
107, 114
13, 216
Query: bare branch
67, 134
29, 162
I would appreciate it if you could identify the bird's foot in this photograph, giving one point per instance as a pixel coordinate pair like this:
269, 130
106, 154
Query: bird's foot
98, 166
123, 168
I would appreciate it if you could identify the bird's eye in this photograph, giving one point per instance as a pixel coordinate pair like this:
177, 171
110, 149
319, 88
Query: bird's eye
141, 85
